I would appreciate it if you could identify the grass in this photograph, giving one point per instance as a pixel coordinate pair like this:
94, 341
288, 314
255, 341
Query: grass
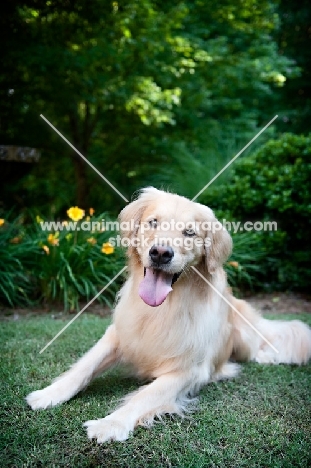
260, 419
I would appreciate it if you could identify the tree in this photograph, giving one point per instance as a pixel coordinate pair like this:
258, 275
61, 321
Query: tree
294, 40
130, 83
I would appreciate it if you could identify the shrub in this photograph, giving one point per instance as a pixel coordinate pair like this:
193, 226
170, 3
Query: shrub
16, 280
56, 266
274, 184
244, 265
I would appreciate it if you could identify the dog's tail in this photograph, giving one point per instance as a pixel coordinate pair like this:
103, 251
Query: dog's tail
268, 341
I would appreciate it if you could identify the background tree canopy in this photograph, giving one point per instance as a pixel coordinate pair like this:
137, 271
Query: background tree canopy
150, 91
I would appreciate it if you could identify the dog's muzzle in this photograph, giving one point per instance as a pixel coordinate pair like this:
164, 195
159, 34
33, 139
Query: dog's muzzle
157, 282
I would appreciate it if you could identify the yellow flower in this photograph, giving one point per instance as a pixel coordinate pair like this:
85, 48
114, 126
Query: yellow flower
75, 213
53, 239
234, 264
91, 240
15, 240
2, 221
91, 211
38, 219
107, 248
46, 249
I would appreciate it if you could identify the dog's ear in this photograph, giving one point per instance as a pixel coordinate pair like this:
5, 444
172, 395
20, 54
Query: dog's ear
218, 244
131, 215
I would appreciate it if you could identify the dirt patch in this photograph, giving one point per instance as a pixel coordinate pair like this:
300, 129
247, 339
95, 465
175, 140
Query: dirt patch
280, 303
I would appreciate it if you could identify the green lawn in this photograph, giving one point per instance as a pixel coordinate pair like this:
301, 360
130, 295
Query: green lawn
261, 419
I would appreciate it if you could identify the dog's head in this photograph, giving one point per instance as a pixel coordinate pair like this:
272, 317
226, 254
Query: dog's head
166, 234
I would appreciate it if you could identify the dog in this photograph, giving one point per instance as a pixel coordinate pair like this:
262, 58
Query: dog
175, 322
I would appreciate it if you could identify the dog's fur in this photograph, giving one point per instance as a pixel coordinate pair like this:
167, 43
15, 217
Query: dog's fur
186, 341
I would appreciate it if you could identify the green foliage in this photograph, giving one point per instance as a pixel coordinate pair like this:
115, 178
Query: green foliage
57, 266
244, 266
75, 267
273, 184
192, 168
151, 92
16, 280
294, 41
128, 83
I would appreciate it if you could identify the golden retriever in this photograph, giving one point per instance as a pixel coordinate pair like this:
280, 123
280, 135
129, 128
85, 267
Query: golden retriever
175, 322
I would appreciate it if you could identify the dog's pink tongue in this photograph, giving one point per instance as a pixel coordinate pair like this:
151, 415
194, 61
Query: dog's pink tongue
155, 287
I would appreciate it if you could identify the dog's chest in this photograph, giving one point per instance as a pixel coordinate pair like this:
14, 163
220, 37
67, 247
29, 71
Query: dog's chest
159, 341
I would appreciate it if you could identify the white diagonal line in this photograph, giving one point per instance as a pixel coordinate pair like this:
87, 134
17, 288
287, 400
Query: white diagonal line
86, 160
236, 310
235, 157
82, 310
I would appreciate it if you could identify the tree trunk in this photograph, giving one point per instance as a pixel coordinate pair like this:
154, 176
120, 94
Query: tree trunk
81, 143
81, 181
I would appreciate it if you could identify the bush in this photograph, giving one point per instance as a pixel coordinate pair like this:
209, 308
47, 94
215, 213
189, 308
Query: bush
274, 184
16, 282
243, 268
56, 266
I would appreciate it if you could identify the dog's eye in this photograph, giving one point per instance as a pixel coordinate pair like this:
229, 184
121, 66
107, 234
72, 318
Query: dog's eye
189, 232
153, 223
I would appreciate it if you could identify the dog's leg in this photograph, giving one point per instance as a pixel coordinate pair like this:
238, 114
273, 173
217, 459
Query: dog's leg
103, 355
159, 397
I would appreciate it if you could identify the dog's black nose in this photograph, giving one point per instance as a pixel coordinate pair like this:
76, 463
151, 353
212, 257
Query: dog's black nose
160, 254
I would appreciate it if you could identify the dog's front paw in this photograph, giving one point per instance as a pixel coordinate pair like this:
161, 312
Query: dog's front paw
105, 430
42, 399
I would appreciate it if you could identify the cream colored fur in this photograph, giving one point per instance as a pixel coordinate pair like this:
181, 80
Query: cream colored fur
185, 342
